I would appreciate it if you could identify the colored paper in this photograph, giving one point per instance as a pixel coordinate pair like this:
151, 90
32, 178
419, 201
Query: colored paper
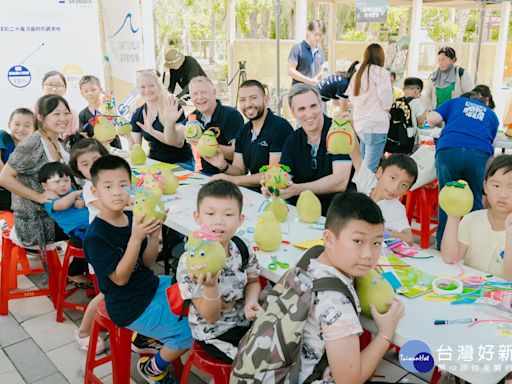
309, 243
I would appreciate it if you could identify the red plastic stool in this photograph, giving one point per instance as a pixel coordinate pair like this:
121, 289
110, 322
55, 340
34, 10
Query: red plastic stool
217, 369
120, 350
421, 205
62, 294
12, 254
21, 257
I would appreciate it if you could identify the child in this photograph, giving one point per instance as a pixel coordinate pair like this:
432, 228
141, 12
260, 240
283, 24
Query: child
483, 238
68, 211
223, 305
413, 87
22, 123
394, 178
84, 152
353, 238
122, 248
397, 92
90, 88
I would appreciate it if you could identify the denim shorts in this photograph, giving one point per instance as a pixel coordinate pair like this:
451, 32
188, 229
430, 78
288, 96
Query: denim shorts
158, 322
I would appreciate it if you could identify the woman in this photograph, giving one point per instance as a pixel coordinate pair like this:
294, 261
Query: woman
32, 225
371, 95
465, 144
449, 80
148, 121
54, 83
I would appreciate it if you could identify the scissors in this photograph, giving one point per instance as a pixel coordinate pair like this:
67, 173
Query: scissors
276, 263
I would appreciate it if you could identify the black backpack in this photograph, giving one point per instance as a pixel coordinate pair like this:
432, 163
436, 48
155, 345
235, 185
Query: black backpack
400, 119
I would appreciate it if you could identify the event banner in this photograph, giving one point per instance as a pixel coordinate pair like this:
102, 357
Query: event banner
38, 36
371, 10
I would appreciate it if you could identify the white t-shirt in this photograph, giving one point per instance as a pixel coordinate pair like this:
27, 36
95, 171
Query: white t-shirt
88, 199
417, 110
395, 217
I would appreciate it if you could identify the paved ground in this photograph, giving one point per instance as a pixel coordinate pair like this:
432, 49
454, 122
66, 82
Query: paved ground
34, 348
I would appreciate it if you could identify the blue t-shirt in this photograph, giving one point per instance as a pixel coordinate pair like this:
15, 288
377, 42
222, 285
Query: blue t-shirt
68, 219
6, 145
468, 124
333, 87
104, 247
309, 61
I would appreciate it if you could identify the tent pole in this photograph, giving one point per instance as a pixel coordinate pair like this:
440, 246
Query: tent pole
479, 45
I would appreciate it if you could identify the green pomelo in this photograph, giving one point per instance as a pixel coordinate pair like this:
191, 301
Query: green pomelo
171, 182
149, 206
279, 208
152, 184
341, 137
104, 129
209, 257
276, 177
456, 198
137, 155
309, 207
267, 233
124, 129
207, 146
372, 288
193, 131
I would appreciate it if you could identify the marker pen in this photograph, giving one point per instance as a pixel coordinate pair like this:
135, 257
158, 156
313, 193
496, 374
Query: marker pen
455, 321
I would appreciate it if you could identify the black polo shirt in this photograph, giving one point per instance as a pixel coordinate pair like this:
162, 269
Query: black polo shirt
229, 121
158, 150
309, 61
84, 117
256, 151
297, 155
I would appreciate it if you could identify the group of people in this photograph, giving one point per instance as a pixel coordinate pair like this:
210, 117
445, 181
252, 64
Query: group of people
65, 185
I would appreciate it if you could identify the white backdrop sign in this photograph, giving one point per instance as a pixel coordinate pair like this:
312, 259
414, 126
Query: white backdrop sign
38, 36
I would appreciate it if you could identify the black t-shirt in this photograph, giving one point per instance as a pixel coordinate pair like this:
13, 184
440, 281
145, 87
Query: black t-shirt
297, 154
256, 152
85, 118
229, 121
333, 87
158, 150
182, 76
104, 247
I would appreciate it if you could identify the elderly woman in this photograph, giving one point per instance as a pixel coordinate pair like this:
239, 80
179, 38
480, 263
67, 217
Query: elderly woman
465, 144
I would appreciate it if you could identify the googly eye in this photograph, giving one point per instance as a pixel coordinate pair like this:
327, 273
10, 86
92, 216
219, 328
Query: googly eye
374, 281
202, 253
192, 254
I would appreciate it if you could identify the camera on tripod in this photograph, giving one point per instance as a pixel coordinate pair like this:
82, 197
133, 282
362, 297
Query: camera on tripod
241, 65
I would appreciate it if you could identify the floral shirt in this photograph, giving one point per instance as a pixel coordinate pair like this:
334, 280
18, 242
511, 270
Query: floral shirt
232, 289
331, 318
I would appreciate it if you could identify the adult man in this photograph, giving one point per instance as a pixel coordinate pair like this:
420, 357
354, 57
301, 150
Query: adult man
210, 113
306, 58
305, 151
259, 142
181, 70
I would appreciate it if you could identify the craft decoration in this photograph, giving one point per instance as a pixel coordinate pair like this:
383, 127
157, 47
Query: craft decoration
205, 254
276, 177
137, 155
372, 288
456, 198
207, 145
152, 182
309, 207
147, 205
193, 129
106, 120
340, 137
123, 126
267, 233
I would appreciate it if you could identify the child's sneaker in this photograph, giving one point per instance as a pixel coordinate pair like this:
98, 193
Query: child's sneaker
83, 343
150, 372
145, 345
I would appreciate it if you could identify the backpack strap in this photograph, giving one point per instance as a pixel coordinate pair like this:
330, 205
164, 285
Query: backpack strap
244, 251
328, 284
461, 71
311, 253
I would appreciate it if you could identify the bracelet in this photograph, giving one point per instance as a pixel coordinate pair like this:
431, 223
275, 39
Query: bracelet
385, 338
210, 298
225, 168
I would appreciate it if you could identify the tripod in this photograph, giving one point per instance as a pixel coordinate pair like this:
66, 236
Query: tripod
242, 76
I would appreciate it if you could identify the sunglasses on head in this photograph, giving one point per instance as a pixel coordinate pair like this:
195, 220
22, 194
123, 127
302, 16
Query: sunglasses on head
448, 51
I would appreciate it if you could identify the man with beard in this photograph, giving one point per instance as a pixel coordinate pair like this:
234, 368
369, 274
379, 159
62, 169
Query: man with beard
305, 151
258, 143
211, 114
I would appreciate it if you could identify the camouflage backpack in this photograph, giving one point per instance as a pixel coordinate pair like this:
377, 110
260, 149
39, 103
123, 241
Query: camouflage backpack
270, 351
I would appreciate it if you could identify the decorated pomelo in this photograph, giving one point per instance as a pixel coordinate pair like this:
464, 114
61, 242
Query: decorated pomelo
276, 176
267, 233
148, 205
123, 126
372, 288
340, 137
456, 198
205, 254
104, 128
193, 130
207, 146
152, 183
309, 207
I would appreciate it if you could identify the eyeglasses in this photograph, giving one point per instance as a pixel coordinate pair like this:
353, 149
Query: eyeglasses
54, 86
